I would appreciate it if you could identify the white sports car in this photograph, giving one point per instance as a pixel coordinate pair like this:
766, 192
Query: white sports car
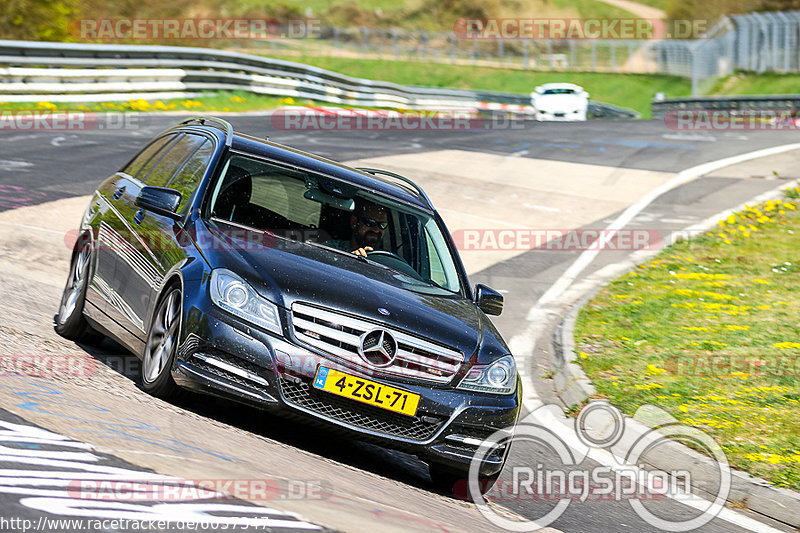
560, 101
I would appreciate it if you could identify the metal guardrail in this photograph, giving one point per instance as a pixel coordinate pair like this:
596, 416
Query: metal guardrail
727, 103
33, 71
69, 72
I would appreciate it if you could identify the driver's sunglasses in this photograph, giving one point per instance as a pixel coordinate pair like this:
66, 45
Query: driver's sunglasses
372, 223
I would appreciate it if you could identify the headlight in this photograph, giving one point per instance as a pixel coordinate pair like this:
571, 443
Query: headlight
234, 295
499, 377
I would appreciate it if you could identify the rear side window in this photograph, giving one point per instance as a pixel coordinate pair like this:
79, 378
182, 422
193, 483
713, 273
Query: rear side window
170, 160
148, 155
186, 180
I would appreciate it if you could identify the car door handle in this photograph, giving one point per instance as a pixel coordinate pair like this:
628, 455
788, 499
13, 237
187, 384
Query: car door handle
119, 192
139, 216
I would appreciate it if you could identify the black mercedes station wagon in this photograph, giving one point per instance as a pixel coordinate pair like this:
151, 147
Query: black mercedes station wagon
238, 267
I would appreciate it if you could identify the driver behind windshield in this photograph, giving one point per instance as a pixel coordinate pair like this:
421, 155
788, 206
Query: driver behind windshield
368, 223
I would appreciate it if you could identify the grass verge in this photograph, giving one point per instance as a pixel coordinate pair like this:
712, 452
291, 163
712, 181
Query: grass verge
767, 83
211, 102
628, 90
708, 331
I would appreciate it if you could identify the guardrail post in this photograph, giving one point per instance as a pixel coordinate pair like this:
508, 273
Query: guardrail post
394, 43
550, 53
594, 54
630, 54
524, 53
613, 56
572, 53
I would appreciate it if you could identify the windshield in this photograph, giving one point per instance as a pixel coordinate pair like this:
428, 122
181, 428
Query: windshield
337, 216
559, 91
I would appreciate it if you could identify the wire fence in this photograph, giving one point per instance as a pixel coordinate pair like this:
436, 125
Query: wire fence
756, 42
594, 55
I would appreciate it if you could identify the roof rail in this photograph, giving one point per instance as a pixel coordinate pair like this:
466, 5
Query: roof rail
202, 119
404, 179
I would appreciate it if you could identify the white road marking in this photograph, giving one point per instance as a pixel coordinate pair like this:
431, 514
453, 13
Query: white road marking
542, 207
19, 137
35, 228
690, 137
487, 219
65, 497
11, 165
683, 177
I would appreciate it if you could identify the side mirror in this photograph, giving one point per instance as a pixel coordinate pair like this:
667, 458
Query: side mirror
489, 301
586, 94
160, 200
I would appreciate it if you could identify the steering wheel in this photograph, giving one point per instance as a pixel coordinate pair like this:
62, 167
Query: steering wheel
385, 253
393, 261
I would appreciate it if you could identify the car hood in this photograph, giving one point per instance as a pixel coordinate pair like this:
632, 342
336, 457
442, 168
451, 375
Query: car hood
560, 102
284, 272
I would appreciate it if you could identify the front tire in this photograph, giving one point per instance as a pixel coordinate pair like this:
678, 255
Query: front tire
161, 346
70, 322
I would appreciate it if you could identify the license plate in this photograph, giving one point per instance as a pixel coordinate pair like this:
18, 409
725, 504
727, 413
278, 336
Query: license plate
366, 391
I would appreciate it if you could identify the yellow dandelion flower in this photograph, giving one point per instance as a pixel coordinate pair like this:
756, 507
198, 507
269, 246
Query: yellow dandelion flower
786, 345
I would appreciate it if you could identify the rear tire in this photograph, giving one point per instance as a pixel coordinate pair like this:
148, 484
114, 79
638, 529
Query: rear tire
161, 346
70, 322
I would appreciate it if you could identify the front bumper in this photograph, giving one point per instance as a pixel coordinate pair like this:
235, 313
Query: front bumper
223, 356
561, 116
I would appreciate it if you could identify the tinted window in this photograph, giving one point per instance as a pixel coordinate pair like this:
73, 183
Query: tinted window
147, 155
170, 160
188, 177
265, 196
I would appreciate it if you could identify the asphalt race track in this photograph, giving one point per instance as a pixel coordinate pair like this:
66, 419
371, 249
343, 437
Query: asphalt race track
356, 486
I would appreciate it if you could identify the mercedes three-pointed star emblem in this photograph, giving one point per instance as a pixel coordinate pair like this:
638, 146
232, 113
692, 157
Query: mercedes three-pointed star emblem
378, 348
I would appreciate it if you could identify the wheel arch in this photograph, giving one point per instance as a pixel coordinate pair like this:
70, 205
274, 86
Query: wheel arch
173, 278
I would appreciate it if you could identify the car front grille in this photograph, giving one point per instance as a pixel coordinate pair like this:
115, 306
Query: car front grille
340, 335
366, 417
